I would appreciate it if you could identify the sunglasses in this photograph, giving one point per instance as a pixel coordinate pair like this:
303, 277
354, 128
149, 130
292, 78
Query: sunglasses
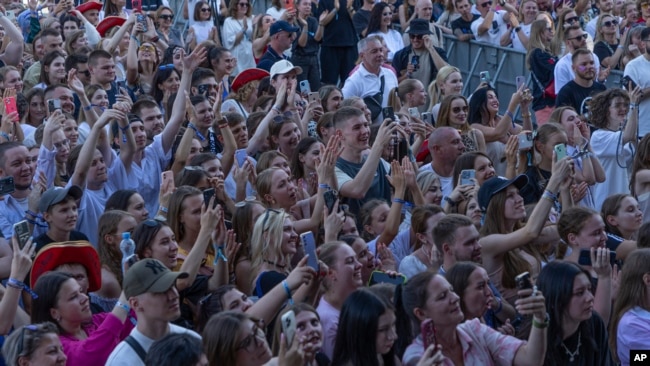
459, 109
284, 117
84, 73
205, 10
153, 223
486, 4
416, 36
609, 23
146, 48
21, 344
571, 20
243, 5
166, 67
266, 218
582, 36
166, 17
246, 201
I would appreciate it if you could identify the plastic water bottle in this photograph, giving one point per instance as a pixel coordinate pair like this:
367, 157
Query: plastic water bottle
127, 246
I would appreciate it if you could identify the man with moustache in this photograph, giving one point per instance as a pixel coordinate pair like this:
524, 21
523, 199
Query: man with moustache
457, 240
578, 92
462, 27
150, 289
574, 38
430, 58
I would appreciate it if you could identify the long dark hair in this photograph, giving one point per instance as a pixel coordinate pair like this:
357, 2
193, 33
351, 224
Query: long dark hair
478, 105
303, 148
356, 338
556, 283
409, 296
374, 22
47, 287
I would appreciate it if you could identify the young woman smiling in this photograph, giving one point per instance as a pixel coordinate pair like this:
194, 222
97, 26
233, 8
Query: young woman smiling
453, 113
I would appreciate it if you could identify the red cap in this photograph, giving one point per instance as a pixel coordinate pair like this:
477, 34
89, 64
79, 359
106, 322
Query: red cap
91, 5
247, 76
109, 22
80, 252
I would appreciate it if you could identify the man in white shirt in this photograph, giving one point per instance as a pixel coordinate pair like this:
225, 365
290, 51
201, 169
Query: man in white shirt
445, 146
574, 38
638, 70
151, 290
492, 25
366, 81
605, 7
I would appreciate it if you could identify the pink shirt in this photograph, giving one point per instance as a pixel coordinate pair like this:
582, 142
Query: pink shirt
104, 333
329, 319
481, 344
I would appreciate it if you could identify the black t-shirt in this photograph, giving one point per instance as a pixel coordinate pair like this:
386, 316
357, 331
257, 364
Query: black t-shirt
44, 240
360, 20
604, 50
537, 180
576, 96
311, 48
464, 26
542, 65
593, 349
340, 31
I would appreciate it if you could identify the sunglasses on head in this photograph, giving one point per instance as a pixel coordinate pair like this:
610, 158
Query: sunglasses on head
486, 4
151, 223
459, 109
247, 200
84, 73
266, 218
21, 344
166, 17
284, 117
645, 5
609, 23
166, 67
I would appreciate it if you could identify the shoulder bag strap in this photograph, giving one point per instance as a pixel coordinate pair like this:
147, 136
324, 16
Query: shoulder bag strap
136, 347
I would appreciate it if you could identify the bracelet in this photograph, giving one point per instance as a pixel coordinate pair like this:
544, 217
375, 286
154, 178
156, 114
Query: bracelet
32, 214
399, 200
527, 115
274, 108
288, 291
3, 134
451, 202
124, 129
549, 196
163, 209
126, 307
324, 186
541, 325
12, 282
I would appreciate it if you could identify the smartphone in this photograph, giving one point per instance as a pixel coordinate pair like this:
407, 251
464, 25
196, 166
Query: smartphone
289, 326
314, 97
207, 195
383, 277
525, 140
427, 117
53, 104
10, 105
415, 61
414, 112
142, 19
330, 198
309, 243
627, 83
560, 151
585, 257
290, 7
520, 80
523, 281
485, 76
241, 155
167, 176
466, 176
428, 330
21, 230
136, 5
304, 87
388, 112
7, 185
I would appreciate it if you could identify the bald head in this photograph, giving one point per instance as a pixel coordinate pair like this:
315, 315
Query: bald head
424, 9
441, 135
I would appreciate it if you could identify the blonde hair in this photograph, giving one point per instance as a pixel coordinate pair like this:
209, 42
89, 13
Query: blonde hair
435, 93
266, 242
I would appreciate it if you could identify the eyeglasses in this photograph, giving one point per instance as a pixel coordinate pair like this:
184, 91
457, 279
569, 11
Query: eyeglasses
147, 48
59, 145
84, 73
166, 67
257, 337
166, 17
416, 36
266, 217
571, 20
205, 10
21, 344
459, 109
580, 37
284, 117
486, 4
609, 23
243, 5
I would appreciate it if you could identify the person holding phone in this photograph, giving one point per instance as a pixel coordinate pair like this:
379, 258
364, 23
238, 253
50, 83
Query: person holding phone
575, 324
623, 218
429, 296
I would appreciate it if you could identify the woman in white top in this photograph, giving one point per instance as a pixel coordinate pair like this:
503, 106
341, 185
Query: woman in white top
237, 31
521, 27
203, 25
277, 9
380, 23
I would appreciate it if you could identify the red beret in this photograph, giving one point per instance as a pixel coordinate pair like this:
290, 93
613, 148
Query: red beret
109, 22
247, 76
90, 5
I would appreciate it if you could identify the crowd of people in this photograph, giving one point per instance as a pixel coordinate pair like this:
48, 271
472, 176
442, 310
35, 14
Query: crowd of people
310, 185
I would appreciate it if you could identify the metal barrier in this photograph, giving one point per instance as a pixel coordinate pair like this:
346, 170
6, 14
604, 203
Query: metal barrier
503, 64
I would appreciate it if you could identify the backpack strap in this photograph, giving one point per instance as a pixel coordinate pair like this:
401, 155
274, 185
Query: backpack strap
136, 347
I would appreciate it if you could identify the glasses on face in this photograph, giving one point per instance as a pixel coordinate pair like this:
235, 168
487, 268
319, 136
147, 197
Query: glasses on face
571, 20
166, 67
205, 10
243, 5
166, 17
486, 4
457, 110
59, 145
609, 23
581, 37
146, 48
266, 218
256, 338
416, 36
21, 344
84, 73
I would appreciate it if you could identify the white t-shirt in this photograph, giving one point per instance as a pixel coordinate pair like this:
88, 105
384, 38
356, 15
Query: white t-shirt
447, 183
363, 83
591, 26
393, 40
605, 144
401, 246
275, 13
147, 174
638, 70
514, 36
496, 31
124, 355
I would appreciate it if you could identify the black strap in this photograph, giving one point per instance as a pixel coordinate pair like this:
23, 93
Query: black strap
381, 87
136, 347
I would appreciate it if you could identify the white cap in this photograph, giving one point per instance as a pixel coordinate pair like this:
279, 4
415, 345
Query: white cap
282, 67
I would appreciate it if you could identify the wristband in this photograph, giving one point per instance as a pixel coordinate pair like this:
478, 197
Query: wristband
324, 186
12, 282
5, 136
451, 202
126, 307
136, 39
32, 214
541, 325
124, 129
163, 209
220, 255
288, 291
399, 200
274, 108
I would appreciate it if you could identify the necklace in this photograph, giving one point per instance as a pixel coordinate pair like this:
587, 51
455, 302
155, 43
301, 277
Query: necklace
275, 264
572, 355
